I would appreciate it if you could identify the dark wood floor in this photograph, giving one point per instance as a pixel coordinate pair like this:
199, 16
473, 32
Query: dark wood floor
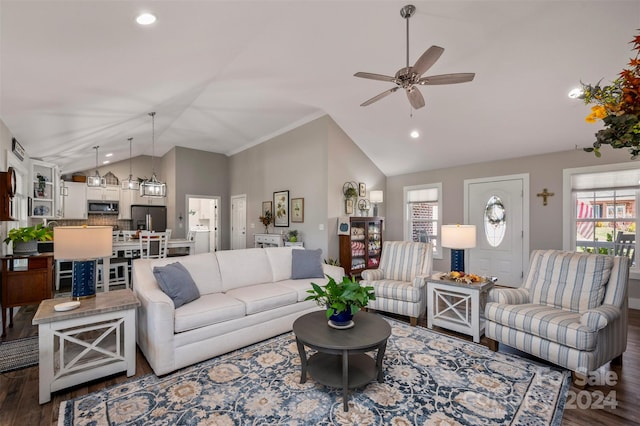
19, 389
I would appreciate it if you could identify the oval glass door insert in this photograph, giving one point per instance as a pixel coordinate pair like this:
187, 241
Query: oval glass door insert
495, 221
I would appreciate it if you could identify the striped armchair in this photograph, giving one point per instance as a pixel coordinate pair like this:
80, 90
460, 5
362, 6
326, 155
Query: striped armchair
571, 310
400, 280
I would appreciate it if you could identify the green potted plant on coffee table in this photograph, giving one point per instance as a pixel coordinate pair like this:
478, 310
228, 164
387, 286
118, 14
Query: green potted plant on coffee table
25, 240
342, 299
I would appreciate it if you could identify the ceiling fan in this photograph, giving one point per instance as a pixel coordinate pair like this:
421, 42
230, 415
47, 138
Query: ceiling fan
409, 77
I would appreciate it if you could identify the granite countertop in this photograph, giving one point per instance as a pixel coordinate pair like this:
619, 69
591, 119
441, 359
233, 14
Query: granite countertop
116, 300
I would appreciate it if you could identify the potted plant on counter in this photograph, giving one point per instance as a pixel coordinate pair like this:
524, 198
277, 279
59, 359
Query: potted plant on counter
342, 300
25, 240
292, 236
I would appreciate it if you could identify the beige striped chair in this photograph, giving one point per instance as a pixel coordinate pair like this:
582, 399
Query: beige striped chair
570, 311
400, 281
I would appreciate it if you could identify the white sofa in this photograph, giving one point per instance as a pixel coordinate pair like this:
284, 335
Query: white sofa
245, 296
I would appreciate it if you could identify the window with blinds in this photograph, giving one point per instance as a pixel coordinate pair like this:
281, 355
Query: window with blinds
422, 217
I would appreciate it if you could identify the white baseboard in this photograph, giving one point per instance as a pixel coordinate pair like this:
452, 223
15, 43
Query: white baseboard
634, 303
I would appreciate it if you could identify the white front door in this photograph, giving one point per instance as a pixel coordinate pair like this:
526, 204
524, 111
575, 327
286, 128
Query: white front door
499, 207
238, 222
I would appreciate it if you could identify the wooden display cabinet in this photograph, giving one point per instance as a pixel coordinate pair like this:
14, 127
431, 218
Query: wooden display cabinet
362, 248
26, 280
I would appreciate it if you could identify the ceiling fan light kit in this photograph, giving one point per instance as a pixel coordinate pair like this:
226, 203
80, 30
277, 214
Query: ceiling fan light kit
409, 77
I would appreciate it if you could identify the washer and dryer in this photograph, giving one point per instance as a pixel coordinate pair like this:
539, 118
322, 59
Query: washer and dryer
201, 238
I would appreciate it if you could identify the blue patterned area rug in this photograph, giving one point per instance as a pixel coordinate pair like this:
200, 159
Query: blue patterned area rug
430, 378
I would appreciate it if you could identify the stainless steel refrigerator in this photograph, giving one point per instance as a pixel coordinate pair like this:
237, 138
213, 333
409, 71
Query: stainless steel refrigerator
150, 218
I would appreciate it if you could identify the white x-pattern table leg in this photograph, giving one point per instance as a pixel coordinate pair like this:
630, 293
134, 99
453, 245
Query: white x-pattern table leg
453, 302
90, 347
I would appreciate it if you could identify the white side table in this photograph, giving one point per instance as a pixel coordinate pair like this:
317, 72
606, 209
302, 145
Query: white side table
456, 306
268, 240
92, 341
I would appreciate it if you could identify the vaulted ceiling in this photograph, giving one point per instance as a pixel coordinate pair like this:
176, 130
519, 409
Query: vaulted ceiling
226, 75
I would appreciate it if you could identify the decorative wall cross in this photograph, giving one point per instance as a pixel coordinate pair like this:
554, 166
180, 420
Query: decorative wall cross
544, 194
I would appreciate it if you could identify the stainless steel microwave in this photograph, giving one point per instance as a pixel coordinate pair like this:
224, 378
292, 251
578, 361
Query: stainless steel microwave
102, 207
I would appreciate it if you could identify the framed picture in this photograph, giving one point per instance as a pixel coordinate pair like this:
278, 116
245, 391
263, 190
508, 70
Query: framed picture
348, 206
344, 226
267, 206
297, 210
281, 208
362, 189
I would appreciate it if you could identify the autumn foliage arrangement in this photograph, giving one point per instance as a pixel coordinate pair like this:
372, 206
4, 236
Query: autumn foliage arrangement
618, 106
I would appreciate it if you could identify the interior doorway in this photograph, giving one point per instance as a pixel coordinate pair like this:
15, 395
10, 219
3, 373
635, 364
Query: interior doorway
203, 219
238, 222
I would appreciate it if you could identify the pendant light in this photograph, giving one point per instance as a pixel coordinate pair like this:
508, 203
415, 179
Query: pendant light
130, 184
96, 180
152, 187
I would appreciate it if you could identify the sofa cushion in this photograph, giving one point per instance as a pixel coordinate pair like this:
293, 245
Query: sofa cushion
209, 309
555, 325
241, 268
306, 264
568, 280
301, 286
202, 267
175, 281
280, 261
395, 290
263, 297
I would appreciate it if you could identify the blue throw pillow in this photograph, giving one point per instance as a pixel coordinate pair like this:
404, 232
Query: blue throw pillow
306, 264
176, 282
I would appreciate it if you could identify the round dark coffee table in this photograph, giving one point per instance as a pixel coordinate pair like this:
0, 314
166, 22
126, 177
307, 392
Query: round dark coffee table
340, 360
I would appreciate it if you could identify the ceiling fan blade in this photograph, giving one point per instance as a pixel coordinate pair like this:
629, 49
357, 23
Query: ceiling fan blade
415, 98
374, 76
461, 77
428, 58
379, 96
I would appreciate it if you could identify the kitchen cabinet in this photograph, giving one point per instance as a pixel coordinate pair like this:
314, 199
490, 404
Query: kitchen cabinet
127, 198
44, 202
25, 281
150, 201
103, 193
361, 249
7, 192
74, 200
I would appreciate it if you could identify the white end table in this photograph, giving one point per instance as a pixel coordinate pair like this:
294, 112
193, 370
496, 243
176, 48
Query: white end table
94, 340
456, 306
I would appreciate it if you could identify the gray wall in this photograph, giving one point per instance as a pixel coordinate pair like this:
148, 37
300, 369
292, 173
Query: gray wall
295, 161
312, 161
545, 171
347, 162
199, 173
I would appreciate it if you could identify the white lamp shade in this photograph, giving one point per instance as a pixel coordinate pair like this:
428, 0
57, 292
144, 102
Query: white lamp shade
82, 242
376, 196
459, 236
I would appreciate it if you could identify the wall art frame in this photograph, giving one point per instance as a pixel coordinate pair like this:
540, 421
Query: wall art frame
267, 206
348, 206
362, 189
297, 210
281, 209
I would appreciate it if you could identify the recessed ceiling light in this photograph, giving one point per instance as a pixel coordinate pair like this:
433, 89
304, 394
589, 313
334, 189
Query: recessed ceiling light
106, 162
415, 134
146, 19
576, 93
109, 154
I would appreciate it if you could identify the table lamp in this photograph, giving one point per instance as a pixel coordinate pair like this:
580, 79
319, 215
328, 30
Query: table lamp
83, 245
457, 238
376, 197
